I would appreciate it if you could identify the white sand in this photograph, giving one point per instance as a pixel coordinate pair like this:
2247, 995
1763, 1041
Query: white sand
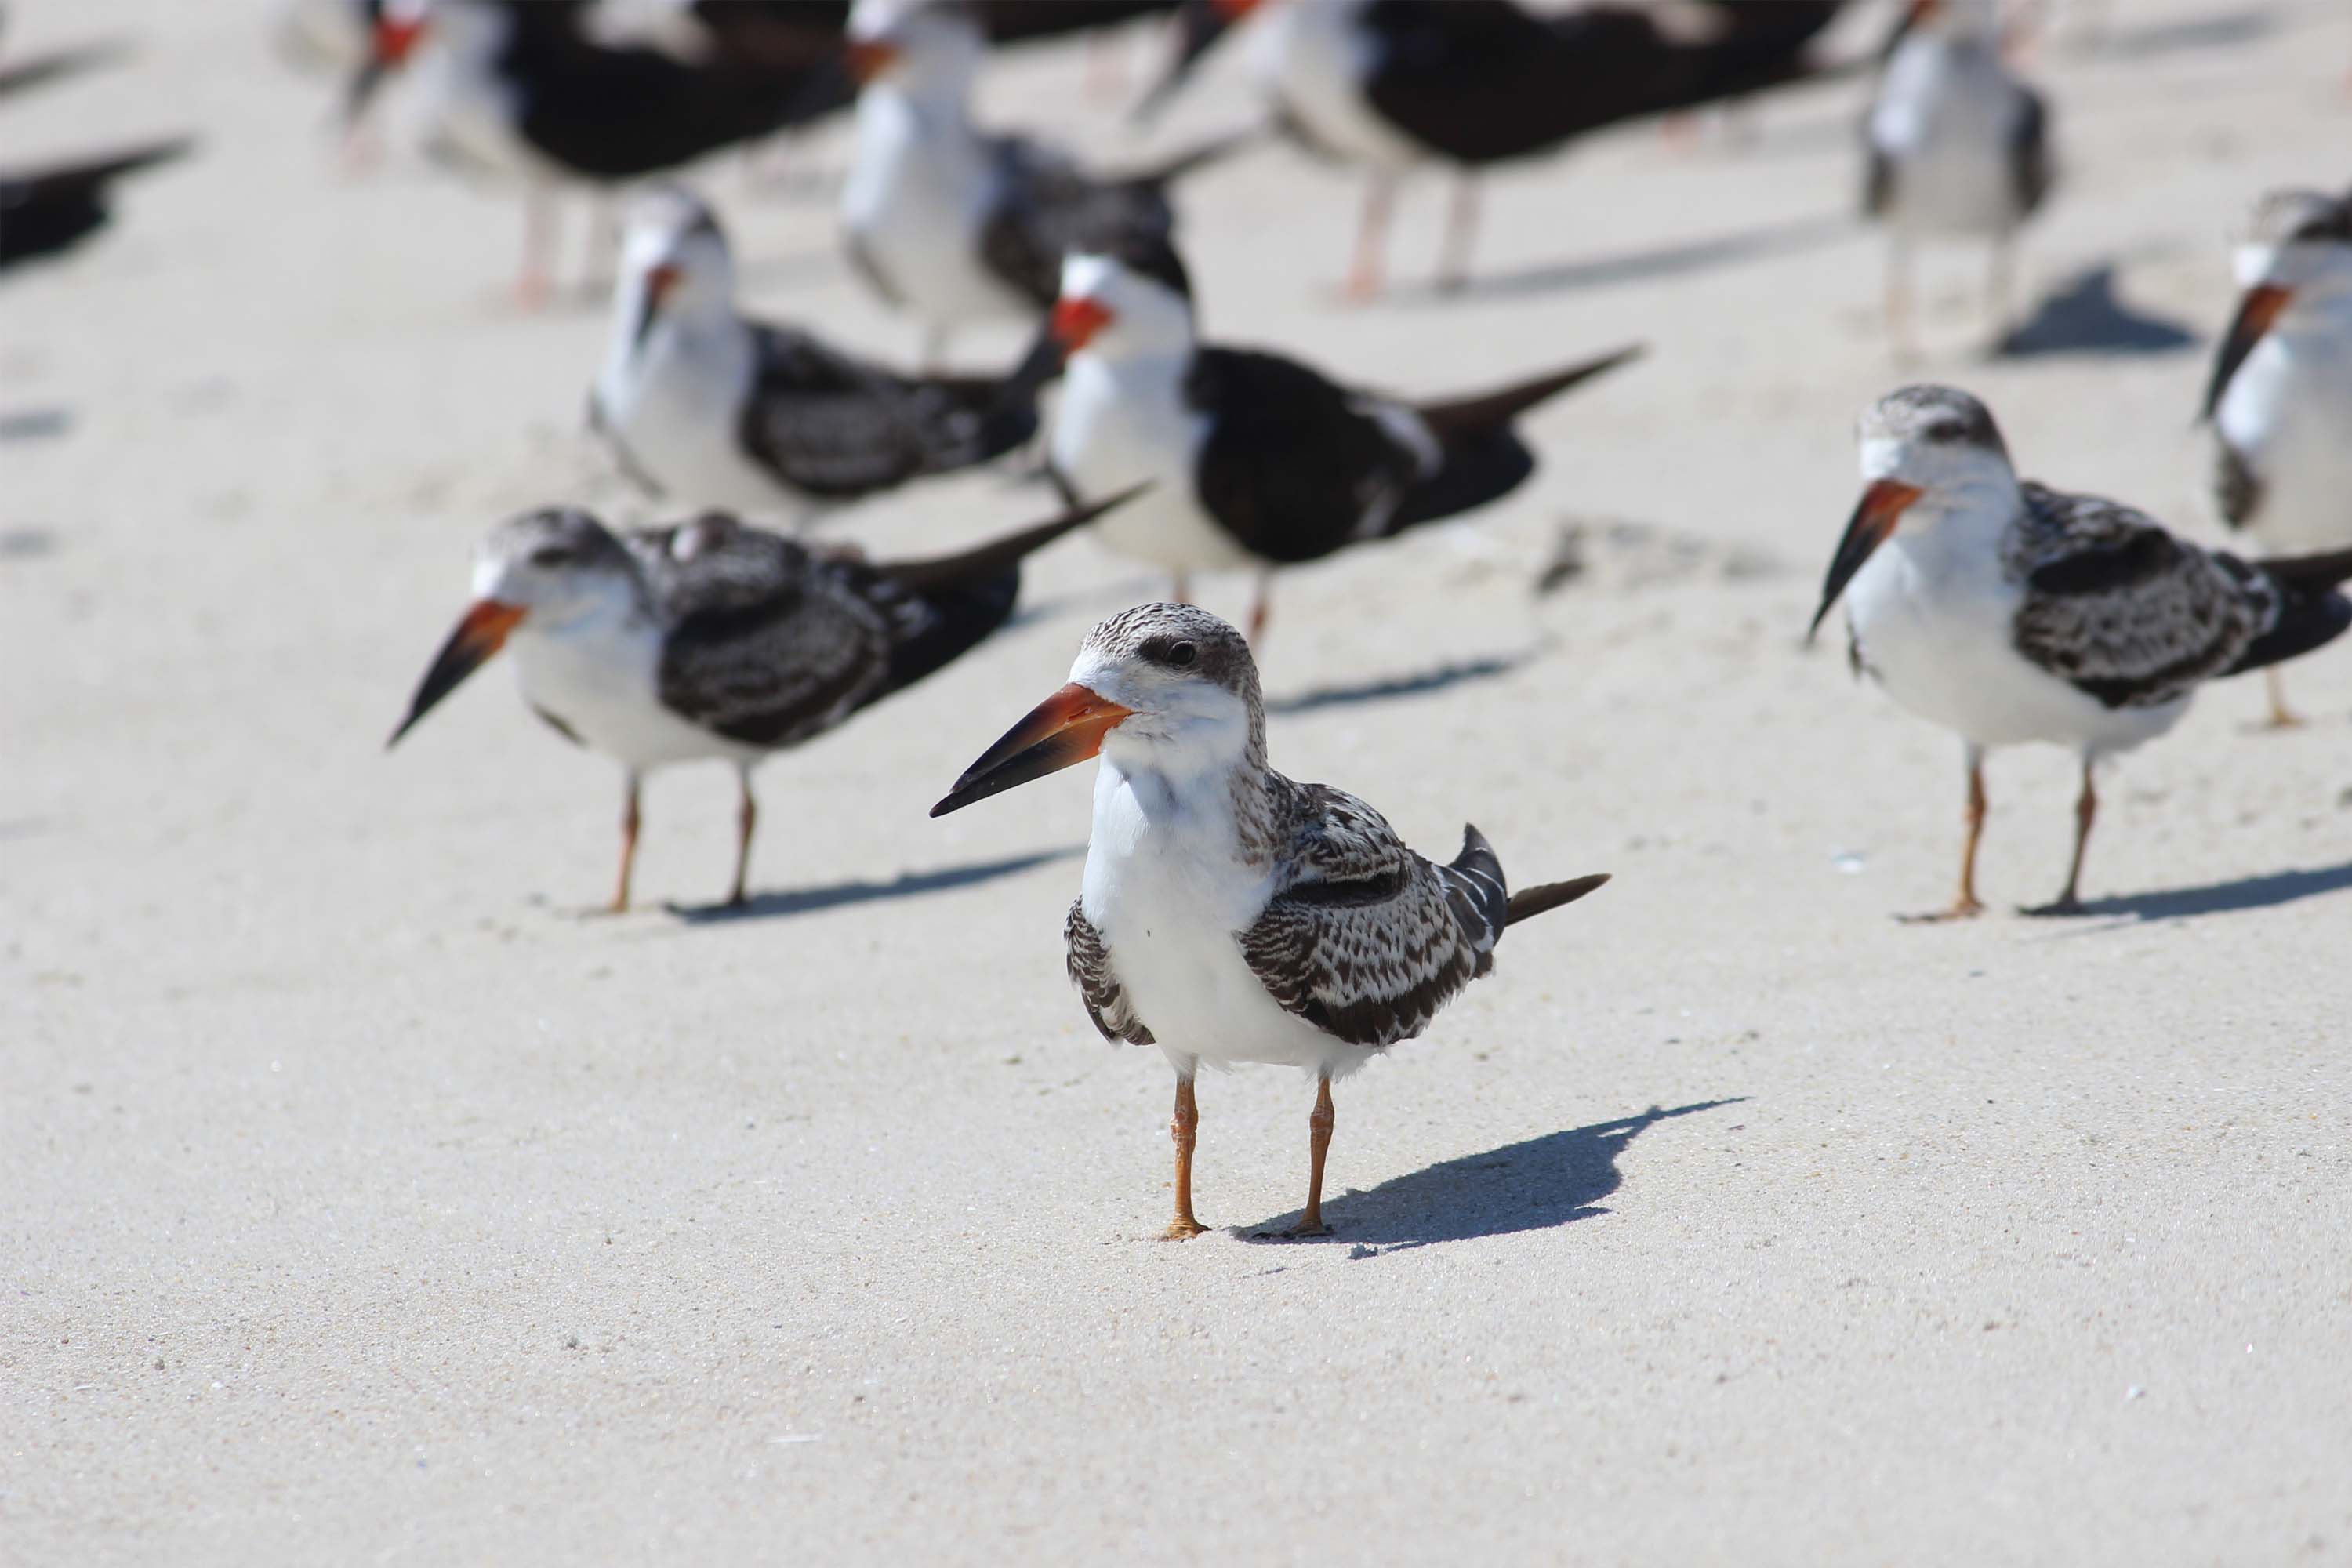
363, 1204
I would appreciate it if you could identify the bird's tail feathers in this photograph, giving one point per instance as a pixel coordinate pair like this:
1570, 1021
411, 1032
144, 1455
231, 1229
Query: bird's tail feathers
1468, 418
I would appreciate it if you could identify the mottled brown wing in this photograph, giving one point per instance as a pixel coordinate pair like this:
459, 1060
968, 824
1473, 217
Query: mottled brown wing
761, 645
1366, 940
1098, 983
2122, 610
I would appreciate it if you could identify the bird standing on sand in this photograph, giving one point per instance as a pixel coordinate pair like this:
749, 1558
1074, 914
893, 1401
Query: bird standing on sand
1229, 914
710, 640
949, 223
1261, 461
1958, 147
2281, 397
1398, 85
702, 403
2011, 613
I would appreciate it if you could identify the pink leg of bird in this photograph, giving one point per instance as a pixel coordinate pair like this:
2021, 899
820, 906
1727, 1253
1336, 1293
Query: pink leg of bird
1371, 238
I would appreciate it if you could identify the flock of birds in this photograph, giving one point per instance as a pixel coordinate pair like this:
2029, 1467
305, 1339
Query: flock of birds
1228, 913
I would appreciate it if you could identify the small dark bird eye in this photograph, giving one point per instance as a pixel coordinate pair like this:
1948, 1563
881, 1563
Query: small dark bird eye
550, 555
1182, 655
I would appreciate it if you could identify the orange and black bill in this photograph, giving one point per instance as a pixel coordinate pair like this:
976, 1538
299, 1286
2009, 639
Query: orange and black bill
2256, 311
1874, 518
869, 57
1061, 732
480, 633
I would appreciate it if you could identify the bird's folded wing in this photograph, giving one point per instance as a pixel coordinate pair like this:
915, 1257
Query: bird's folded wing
761, 645
827, 424
1047, 206
2121, 609
1294, 466
1098, 983
1362, 937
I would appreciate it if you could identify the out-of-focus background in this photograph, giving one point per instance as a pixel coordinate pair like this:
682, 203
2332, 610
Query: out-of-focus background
361, 1201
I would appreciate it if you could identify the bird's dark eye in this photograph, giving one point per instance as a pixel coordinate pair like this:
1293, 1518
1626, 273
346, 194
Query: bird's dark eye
1946, 430
550, 555
1181, 656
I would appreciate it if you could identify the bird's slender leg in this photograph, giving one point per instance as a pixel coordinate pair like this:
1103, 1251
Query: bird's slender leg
1965, 904
1461, 229
629, 820
2086, 810
1179, 589
1898, 301
1319, 1143
1371, 237
532, 286
603, 248
1261, 608
2281, 716
1184, 1129
1999, 283
747, 817
933, 354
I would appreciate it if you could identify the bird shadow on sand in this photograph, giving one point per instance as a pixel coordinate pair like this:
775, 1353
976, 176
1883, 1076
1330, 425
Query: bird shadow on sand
1460, 672
2128, 43
1640, 265
2262, 892
1534, 1184
906, 885
2083, 316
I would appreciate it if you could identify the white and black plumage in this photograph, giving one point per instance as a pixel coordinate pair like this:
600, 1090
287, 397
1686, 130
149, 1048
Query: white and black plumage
521, 91
46, 210
1957, 148
1229, 914
1397, 84
704, 405
2010, 613
950, 223
2279, 399
1261, 461
713, 640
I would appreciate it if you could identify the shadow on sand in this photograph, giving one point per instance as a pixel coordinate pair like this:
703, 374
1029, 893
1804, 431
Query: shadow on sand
1459, 673
2084, 316
1641, 266
906, 885
2224, 897
1531, 1185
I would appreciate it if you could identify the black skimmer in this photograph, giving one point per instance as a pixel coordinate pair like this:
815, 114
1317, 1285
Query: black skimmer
2010, 614
1958, 147
46, 210
713, 640
524, 92
700, 403
1396, 84
953, 223
2281, 395
1229, 914
1261, 461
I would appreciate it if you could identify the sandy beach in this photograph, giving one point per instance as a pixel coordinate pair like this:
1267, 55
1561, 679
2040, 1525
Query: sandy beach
363, 1201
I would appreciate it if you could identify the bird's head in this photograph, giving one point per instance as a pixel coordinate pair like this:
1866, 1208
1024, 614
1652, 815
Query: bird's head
1168, 688
543, 570
928, 47
1126, 297
674, 263
1922, 450
2296, 261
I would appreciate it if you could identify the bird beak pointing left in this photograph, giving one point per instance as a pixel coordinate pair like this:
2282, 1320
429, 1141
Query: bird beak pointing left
2256, 311
1879, 510
480, 633
1061, 732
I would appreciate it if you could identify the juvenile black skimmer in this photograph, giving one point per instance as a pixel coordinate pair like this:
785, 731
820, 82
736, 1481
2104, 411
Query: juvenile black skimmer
1957, 148
1260, 460
1395, 85
1230, 915
523, 92
950, 223
44, 210
712, 639
702, 403
2010, 613
2281, 396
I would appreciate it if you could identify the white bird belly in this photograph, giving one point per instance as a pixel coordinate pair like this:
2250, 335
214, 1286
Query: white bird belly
2288, 411
605, 691
1120, 423
1170, 898
676, 408
914, 202
1947, 124
1946, 653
